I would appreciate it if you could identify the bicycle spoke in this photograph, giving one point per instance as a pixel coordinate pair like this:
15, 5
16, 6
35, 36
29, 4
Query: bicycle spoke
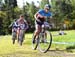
45, 42
35, 42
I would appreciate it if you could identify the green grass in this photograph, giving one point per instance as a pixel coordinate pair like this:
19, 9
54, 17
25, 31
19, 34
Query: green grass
70, 37
7, 49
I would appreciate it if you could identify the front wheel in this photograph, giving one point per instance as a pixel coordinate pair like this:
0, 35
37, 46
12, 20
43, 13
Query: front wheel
35, 42
21, 37
13, 37
45, 40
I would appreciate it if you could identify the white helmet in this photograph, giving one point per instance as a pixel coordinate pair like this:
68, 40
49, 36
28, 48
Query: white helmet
47, 6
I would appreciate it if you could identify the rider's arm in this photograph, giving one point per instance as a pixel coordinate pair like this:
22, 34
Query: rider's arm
26, 24
10, 25
35, 16
50, 19
38, 15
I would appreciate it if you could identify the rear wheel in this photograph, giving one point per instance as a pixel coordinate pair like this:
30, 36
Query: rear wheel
45, 40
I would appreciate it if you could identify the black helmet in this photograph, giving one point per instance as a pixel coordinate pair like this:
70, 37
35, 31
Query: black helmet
47, 6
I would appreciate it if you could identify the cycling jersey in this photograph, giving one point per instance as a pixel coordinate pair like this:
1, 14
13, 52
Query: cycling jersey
21, 24
43, 13
14, 25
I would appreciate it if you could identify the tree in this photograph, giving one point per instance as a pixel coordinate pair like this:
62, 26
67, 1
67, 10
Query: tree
15, 3
1, 5
63, 9
43, 2
3, 23
30, 10
11, 2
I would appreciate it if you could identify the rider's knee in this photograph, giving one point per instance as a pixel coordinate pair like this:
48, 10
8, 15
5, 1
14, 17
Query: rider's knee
38, 31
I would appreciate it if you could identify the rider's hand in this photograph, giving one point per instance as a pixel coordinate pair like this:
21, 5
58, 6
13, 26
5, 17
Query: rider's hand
40, 16
38, 20
45, 17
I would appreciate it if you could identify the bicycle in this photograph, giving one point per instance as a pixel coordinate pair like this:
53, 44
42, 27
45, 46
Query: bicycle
20, 36
14, 37
44, 40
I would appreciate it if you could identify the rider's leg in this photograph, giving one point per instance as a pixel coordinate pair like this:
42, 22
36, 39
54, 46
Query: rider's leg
37, 31
18, 31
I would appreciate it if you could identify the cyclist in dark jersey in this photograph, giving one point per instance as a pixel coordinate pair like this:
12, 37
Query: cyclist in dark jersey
14, 30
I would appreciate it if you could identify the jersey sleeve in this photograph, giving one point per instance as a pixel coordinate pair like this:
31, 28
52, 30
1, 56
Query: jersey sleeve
25, 21
49, 14
40, 11
17, 22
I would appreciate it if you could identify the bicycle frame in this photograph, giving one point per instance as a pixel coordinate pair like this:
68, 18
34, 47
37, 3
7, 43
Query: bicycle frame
20, 35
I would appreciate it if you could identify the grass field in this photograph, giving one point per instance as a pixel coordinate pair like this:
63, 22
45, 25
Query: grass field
7, 49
